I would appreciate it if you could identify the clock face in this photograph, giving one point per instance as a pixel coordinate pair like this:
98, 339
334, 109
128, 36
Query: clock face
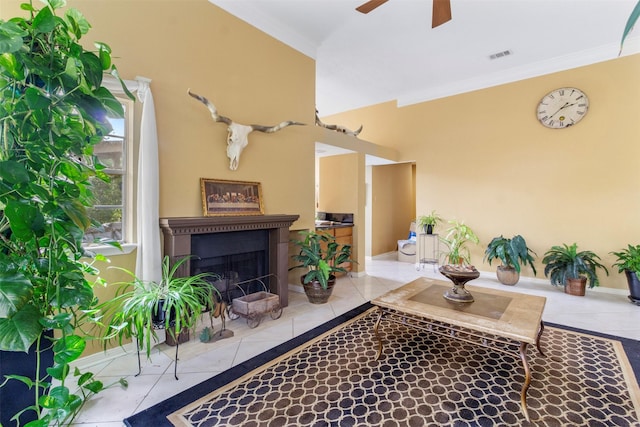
562, 108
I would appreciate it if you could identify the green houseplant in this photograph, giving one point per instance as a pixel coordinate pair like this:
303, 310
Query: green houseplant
573, 269
53, 111
322, 257
513, 253
628, 262
428, 222
458, 237
175, 303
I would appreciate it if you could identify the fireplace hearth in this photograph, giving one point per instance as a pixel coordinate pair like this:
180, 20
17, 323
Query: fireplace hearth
239, 246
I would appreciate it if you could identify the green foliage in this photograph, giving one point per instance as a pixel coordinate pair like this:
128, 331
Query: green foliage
433, 219
565, 262
178, 300
511, 252
459, 235
321, 255
628, 259
52, 113
631, 22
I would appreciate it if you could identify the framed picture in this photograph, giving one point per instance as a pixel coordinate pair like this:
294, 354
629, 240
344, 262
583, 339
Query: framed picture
225, 198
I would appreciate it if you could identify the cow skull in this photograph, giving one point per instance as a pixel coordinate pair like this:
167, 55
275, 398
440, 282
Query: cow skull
337, 128
238, 134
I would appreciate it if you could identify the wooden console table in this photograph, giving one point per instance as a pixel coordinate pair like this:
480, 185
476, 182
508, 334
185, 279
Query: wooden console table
506, 322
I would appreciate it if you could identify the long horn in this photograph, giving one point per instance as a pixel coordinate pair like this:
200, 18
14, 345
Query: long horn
212, 108
271, 129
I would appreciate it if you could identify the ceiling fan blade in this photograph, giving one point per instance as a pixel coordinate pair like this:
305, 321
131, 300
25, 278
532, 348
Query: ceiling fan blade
370, 5
441, 12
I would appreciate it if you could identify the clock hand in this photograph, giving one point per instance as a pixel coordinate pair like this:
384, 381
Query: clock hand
559, 109
566, 104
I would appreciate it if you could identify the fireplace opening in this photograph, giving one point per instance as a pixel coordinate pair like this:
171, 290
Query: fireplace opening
237, 258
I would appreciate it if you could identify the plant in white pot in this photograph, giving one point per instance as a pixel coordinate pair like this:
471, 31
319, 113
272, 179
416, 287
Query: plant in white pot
322, 257
513, 254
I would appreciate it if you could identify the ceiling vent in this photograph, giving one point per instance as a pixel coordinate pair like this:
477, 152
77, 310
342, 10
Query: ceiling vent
501, 54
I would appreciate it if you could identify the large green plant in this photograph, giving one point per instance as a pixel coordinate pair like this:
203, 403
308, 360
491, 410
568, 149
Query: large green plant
511, 252
459, 236
53, 110
628, 259
178, 301
321, 255
566, 262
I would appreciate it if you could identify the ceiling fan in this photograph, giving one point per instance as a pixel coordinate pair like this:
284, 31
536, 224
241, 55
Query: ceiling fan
441, 10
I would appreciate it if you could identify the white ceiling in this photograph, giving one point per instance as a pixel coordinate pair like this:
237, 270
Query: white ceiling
393, 53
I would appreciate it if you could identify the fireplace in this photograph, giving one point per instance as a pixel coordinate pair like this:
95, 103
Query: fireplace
240, 247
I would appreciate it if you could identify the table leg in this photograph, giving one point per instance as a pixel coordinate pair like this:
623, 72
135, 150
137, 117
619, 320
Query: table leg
377, 334
538, 338
527, 379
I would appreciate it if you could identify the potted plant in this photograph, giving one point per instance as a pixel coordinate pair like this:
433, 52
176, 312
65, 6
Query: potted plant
428, 222
513, 254
567, 267
323, 257
53, 111
628, 261
458, 236
174, 304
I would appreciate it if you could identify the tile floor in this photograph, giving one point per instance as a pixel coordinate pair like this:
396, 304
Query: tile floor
607, 312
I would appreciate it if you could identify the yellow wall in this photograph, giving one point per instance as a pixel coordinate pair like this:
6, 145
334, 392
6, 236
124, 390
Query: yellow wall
341, 189
392, 204
112, 274
482, 157
250, 77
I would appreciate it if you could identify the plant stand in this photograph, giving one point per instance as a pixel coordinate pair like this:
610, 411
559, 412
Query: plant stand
428, 250
158, 326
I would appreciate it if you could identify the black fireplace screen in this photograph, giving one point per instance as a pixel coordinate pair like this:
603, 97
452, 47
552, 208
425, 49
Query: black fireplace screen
236, 257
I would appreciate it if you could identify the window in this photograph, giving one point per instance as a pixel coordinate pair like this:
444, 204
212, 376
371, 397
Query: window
111, 206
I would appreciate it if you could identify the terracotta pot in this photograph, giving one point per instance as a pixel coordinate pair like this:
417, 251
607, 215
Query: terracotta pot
507, 275
575, 286
316, 294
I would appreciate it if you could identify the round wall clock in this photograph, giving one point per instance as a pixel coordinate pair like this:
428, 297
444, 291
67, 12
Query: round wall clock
562, 108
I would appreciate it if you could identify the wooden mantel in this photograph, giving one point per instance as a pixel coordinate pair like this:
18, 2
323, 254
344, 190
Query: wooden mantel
177, 232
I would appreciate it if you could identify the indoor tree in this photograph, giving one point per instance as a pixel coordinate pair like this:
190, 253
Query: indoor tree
53, 111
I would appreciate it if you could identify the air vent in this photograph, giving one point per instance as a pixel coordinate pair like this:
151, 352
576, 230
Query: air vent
501, 54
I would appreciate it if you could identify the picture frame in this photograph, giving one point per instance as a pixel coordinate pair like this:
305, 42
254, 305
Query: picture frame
225, 198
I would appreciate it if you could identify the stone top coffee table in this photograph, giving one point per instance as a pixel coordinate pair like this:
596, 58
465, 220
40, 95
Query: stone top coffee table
503, 321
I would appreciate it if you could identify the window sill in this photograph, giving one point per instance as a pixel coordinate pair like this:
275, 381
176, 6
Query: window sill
108, 250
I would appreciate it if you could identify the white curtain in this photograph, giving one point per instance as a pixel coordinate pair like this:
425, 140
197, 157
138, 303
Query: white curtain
148, 260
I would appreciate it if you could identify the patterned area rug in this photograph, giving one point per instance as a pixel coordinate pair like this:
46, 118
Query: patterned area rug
333, 379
